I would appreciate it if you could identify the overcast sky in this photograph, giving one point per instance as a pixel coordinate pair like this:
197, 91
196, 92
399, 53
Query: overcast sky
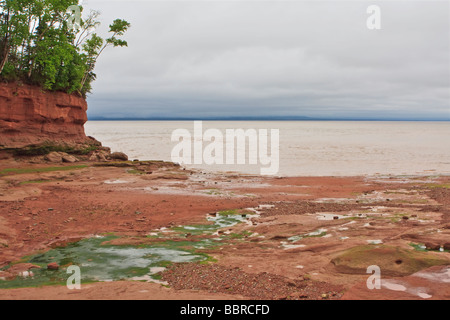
274, 58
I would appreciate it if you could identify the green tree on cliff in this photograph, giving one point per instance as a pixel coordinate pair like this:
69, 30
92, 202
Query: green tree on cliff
39, 44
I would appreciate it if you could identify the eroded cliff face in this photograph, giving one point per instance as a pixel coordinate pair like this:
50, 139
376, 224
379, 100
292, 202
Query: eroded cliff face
30, 116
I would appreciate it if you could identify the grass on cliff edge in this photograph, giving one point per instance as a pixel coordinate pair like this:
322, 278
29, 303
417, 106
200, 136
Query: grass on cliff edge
38, 170
47, 148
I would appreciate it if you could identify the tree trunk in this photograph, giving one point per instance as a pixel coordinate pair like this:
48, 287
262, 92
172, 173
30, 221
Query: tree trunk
4, 55
33, 60
83, 81
5, 45
4, 60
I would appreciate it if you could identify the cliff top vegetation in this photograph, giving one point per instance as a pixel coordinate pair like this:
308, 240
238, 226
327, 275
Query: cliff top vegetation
48, 43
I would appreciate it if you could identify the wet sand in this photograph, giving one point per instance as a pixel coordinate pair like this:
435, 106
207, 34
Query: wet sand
313, 238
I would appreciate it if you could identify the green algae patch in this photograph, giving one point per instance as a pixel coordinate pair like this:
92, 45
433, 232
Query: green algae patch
393, 261
102, 262
39, 170
295, 238
228, 212
222, 219
136, 171
117, 164
47, 148
435, 185
418, 246
197, 229
214, 192
34, 182
240, 235
112, 258
423, 248
315, 234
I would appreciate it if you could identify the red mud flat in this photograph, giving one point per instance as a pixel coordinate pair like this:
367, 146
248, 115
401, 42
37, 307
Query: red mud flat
124, 290
313, 240
261, 286
432, 283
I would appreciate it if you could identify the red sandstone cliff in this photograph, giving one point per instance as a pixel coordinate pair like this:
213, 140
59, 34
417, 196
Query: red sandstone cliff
30, 116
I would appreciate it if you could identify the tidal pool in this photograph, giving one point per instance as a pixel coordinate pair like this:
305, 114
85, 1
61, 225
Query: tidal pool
100, 261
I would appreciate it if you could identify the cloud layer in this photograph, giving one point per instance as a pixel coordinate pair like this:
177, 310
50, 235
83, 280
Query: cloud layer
268, 58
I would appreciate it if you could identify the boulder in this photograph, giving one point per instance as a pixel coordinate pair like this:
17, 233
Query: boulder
69, 158
53, 266
94, 141
54, 157
106, 149
99, 155
119, 156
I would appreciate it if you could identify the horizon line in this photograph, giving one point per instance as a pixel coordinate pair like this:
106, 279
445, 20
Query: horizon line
261, 119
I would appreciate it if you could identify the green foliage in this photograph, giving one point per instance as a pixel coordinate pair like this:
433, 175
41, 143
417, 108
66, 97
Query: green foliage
39, 46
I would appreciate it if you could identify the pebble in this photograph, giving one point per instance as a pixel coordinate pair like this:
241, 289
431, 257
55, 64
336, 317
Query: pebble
53, 266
